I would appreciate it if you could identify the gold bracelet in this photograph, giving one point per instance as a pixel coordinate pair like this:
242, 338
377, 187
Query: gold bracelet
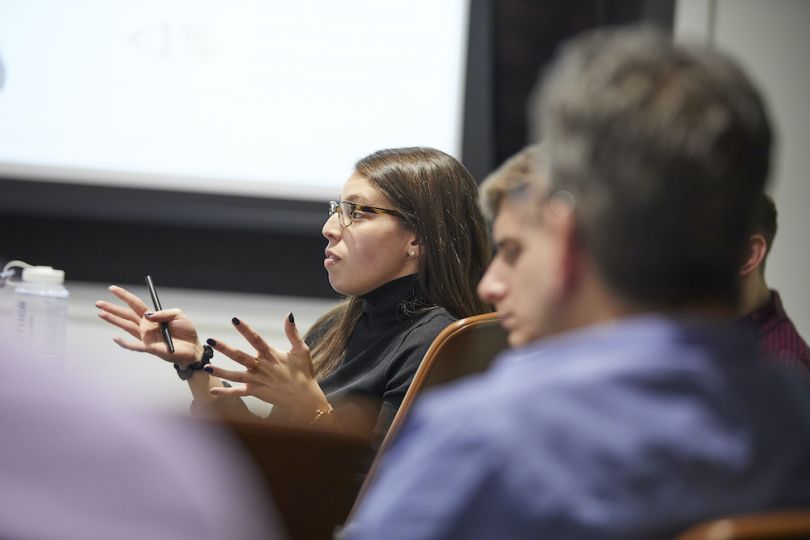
319, 413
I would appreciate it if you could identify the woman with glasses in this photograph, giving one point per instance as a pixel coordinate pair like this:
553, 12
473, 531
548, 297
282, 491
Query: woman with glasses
406, 246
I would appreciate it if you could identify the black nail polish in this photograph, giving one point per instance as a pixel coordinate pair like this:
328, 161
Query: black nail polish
236, 321
291, 318
208, 369
148, 313
211, 342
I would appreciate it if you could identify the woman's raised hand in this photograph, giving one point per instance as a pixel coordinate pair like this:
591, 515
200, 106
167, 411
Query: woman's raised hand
285, 379
143, 325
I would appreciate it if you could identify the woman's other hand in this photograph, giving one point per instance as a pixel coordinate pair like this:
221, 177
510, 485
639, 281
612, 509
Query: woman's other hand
285, 379
136, 319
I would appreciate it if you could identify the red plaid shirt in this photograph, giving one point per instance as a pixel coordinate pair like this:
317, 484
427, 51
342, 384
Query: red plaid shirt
778, 339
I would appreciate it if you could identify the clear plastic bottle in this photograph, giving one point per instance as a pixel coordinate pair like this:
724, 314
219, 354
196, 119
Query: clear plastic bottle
41, 302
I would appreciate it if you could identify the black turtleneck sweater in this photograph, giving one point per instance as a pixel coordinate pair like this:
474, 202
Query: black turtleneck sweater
385, 349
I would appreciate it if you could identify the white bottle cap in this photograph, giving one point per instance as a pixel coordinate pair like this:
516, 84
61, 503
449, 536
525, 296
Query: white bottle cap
43, 274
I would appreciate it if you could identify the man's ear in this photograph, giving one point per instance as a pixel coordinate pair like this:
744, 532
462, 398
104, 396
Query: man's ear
559, 218
757, 249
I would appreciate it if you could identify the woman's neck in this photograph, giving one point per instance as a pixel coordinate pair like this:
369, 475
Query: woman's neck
386, 302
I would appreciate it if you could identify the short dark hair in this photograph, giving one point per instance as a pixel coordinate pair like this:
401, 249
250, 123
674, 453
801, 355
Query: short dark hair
765, 218
665, 149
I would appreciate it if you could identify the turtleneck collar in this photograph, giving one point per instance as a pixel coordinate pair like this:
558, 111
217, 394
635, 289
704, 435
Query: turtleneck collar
392, 301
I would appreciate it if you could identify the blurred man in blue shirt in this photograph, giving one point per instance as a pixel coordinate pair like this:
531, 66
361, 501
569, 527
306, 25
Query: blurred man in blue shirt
630, 406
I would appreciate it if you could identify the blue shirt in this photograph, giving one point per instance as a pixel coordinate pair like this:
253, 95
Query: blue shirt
631, 429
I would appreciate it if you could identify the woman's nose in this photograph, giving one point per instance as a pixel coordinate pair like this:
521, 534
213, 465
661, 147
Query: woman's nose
331, 229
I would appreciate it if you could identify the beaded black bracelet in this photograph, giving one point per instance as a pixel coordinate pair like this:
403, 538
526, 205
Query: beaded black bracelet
186, 372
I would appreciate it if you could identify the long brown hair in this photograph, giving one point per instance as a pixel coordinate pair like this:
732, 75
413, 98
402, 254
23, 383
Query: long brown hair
437, 196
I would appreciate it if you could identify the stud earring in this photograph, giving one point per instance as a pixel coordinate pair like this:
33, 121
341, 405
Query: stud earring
411, 254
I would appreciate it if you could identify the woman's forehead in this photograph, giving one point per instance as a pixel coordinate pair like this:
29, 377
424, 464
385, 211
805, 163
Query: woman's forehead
358, 189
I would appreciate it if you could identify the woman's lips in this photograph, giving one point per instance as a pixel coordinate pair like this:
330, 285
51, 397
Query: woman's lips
330, 259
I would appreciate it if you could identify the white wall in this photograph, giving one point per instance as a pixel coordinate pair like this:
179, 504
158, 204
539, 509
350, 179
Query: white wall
771, 39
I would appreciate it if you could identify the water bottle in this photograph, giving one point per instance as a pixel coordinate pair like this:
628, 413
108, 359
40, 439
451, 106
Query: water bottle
41, 302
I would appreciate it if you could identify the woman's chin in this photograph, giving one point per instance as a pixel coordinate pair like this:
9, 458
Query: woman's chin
347, 289
338, 286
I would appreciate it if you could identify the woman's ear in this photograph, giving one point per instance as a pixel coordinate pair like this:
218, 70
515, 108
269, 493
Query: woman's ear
757, 250
414, 248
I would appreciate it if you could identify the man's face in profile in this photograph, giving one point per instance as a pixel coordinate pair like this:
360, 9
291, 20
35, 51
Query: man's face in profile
518, 279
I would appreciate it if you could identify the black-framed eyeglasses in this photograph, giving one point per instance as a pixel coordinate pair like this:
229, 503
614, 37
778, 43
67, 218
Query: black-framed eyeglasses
347, 211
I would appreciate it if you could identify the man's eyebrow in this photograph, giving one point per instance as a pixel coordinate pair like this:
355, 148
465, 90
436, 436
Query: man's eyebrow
507, 241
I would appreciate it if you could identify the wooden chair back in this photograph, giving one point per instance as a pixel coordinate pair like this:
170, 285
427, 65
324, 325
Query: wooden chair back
465, 347
777, 525
311, 474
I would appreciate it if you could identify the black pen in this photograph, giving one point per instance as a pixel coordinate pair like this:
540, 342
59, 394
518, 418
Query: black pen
164, 327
